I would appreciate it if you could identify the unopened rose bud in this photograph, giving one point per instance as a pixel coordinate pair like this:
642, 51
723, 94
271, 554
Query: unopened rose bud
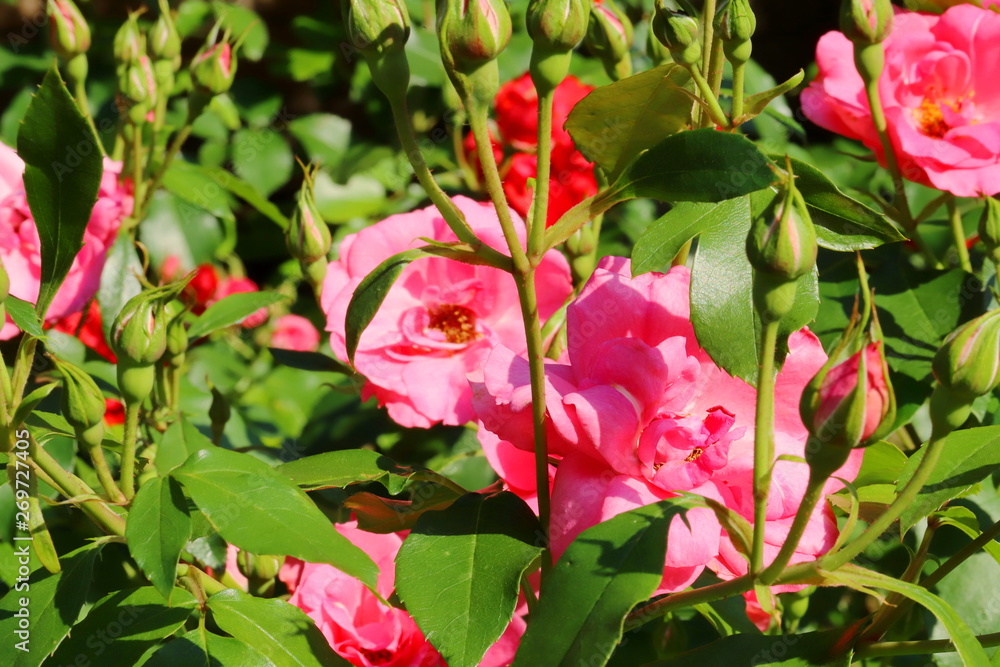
83, 404
164, 41
138, 84
139, 334
609, 37
783, 243
214, 66
68, 30
376, 27
558, 25
177, 337
129, 43
736, 25
472, 32
679, 33
866, 21
308, 236
968, 363
989, 228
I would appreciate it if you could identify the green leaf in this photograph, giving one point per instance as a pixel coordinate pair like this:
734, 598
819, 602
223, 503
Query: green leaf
325, 137
615, 123
247, 193
258, 509
119, 280
755, 105
245, 23
806, 650
480, 545
971, 590
263, 158
371, 292
55, 603
309, 361
882, 464
199, 648
722, 310
121, 626
231, 310
278, 630
967, 458
842, 223
965, 642
179, 442
25, 316
31, 401
604, 573
158, 527
188, 181
697, 165
333, 470
966, 521
62, 173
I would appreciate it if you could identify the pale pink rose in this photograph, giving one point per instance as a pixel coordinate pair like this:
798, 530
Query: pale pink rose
441, 317
359, 627
941, 101
228, 286
639, 412
294, 332
20, 246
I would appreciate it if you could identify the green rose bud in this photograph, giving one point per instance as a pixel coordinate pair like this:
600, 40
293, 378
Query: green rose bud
866, 21
989, 228
68, 30
129, 43
164, 41
376, 27
968, 363
214, 66
679, 33
782, 242
308, 236
138, 84
609, 37
177, 337
82, 404
558, 25
472, 32
736, 25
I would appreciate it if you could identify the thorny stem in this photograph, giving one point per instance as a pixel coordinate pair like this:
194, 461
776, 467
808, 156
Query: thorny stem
536, 228
763, 446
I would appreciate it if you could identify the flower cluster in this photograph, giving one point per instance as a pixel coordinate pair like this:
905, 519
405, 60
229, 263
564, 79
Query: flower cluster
572, 176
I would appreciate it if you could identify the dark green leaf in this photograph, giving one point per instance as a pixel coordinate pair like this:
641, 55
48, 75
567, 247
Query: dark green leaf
278, 630
371, 292
54, 604
158, 527
615, 123
24, 316
326, 137
754, 105
657, 247
258, 509
309, 361
968, 457
199, 648
604, 573
332, 470
231, 310
121, 626
179, 442
842, 223
63, 169
882, 464
31, 401
807, 650
262, 158
481, 545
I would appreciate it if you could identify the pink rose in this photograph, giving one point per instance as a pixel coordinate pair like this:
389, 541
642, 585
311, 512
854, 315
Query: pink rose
440, 319
359, 627
293, 332
939, 95
631, 437
840, 383
20, 246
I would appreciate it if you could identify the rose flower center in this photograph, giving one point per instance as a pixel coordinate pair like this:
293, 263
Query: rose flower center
457, 323
930, 119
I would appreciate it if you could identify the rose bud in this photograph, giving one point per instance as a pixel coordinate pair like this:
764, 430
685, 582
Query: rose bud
968, 363
308, 236
83, 405
609, 37
679, 33
472, 32
129, 43
68, 30
138, 84
736, 26
214, 66
989, 228
866, 21
139, 339
164, 43
376, 27
558, 25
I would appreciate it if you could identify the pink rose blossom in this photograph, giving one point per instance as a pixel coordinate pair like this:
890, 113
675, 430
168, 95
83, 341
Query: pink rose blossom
294, 332
441, 318
20, 245
639, 412
939, 94
359, 627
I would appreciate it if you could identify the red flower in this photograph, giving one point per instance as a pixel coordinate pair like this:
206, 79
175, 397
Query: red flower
571, 180
516, 103
115, 412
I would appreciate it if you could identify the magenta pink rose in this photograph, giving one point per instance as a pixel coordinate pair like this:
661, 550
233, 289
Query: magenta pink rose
294, 332
938, 89
440, 319
639, 412
20, 246
360, 628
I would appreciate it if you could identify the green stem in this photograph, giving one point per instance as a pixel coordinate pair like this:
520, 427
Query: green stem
715, 111
814, 492
168, 158
961, 556
739, 77
686, 599
708, 37
536, 229
22, 368
923, 647
104, 474
893, 512
763, 445
80, 92
128, 449
958, 235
